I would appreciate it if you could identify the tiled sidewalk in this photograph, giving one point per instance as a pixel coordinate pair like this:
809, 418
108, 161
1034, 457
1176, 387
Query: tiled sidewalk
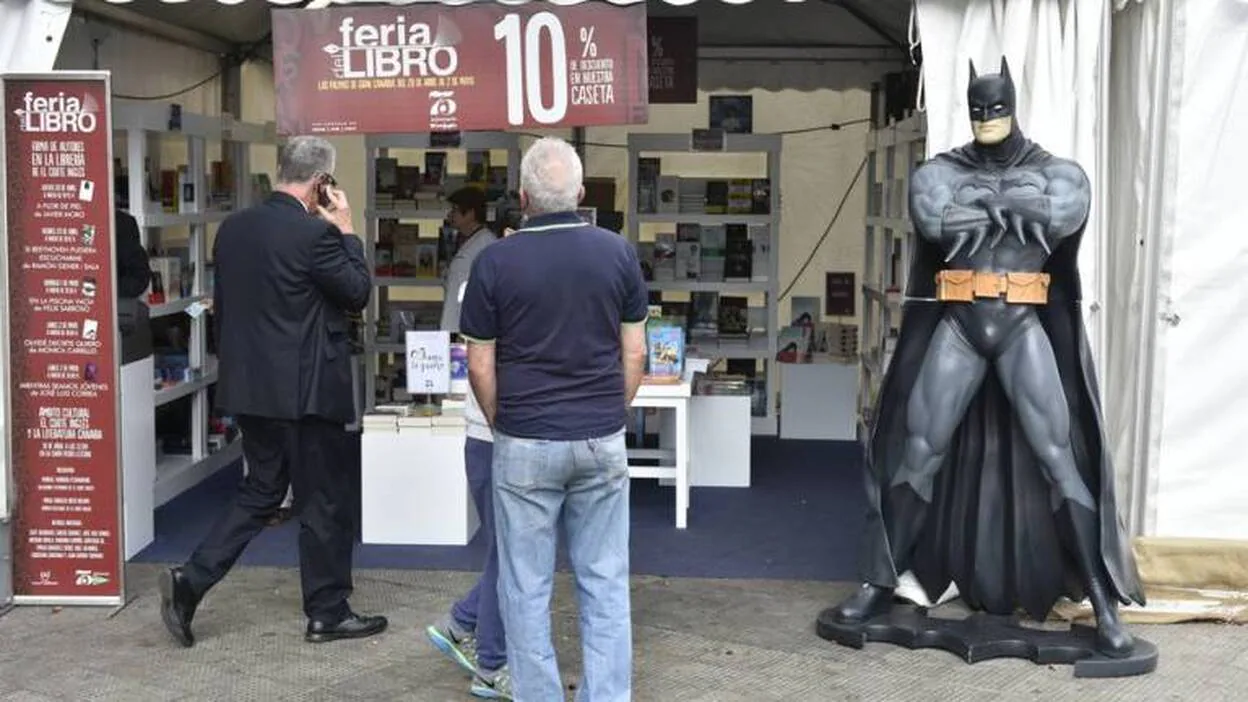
695, 640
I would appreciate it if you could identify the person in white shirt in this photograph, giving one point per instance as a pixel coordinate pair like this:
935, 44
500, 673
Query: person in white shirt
471, 634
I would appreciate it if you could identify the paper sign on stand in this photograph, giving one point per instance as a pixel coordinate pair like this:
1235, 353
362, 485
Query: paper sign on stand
428, 362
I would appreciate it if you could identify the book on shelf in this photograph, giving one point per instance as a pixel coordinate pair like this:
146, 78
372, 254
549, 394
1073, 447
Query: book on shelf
673, 195
707, 253
459, 369
738, 258
711, 266
793, 344
760, 252
645, 256
732, 113
734, 317
703, 315
665, 266
688, 251
835, 341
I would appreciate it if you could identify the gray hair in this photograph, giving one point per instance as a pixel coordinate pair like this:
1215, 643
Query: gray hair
302, 158
550, 176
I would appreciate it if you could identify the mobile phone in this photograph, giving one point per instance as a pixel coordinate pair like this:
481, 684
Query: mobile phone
322, 190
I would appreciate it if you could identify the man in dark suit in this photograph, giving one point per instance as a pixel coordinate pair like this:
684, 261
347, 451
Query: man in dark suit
288, 272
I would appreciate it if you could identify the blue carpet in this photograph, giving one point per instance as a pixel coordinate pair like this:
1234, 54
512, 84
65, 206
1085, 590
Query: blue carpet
800, 520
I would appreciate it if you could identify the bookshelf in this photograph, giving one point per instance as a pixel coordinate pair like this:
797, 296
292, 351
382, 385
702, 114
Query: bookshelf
192, 194
892, 154
690, 219
398, 197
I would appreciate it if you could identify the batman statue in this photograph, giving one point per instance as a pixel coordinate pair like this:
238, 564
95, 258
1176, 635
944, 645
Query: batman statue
986, 462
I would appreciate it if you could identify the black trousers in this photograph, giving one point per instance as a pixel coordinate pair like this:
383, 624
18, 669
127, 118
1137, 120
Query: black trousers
311, 454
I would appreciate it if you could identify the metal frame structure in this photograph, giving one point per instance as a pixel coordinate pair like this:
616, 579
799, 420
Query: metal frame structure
379, 146
770, 145
892, 154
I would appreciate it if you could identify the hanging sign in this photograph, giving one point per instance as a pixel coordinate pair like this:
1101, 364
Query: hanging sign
62, 415
673, 60
428, 362
483, 66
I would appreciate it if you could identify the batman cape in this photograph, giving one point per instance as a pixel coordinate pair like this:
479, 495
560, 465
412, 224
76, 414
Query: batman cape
991, 527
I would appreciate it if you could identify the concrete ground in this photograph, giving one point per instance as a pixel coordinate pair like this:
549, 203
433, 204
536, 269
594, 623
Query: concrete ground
695, 640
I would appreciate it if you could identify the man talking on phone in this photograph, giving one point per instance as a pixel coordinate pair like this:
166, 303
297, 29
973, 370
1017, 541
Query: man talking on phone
287, 273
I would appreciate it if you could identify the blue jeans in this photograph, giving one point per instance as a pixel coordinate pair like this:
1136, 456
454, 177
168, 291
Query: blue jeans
536, 481
478, 610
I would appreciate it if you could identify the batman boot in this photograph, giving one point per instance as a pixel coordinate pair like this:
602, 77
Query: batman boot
907, 512
869, 601
1083, 540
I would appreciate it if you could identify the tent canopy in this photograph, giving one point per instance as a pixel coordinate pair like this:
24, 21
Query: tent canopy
873, 29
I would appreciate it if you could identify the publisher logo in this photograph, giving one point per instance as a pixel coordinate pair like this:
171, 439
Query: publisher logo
442, 109
90, 577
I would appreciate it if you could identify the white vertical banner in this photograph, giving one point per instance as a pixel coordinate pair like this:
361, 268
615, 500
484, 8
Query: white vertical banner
428, 362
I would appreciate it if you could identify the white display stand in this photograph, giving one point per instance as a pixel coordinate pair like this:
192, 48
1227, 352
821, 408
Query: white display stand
719, 440
138, 455
414, 490
676, 398
892, 154
677, 147
145, 134
819, 401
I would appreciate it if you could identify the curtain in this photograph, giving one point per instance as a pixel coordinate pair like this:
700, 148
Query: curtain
1201, 485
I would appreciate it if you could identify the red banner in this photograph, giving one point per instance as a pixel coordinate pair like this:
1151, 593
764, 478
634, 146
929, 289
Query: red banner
476, 67
62, 428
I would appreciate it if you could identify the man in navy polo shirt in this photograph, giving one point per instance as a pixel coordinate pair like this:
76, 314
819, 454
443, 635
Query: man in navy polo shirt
555, 319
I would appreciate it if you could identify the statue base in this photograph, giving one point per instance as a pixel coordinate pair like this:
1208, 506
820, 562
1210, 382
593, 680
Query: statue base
980, 637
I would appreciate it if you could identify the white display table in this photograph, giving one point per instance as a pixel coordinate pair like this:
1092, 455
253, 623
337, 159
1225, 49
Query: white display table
414, 490
819, 401
676, 398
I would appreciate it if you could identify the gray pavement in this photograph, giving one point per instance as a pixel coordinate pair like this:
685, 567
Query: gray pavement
695, 640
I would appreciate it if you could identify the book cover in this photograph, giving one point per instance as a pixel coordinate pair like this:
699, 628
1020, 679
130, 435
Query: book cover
665, 348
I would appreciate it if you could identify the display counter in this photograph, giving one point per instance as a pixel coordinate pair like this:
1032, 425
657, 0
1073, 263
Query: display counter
414, 489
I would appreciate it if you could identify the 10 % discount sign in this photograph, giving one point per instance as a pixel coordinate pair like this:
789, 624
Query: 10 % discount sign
576, 76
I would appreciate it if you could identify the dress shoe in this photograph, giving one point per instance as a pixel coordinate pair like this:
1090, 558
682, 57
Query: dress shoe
869, 601
353, 626
177, 605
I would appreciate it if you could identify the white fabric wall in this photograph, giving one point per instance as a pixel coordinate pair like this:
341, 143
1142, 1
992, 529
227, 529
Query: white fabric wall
142, 65
1202, 476
1056, 54
30, 33
1140, 202
147, 67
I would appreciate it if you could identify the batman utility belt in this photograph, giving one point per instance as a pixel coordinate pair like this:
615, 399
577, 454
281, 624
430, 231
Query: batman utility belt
1016, 288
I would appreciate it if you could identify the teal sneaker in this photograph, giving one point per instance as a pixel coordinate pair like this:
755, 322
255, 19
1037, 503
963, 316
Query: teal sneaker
458, 645
492, 684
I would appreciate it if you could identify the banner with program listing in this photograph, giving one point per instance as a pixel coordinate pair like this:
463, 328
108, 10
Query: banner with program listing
62, 413
429, 67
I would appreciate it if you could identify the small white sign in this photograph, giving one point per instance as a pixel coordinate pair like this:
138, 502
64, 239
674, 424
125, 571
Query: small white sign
428, 362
